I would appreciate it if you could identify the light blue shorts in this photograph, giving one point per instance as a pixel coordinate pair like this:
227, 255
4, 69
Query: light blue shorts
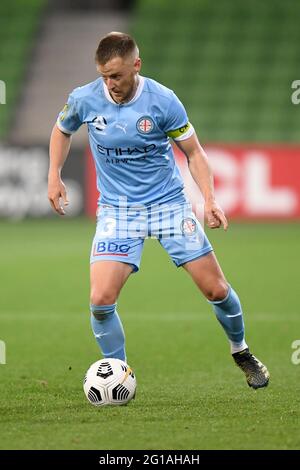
121, 232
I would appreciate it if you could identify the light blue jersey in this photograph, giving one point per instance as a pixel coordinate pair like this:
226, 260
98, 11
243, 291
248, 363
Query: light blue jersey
130, 142
135, 166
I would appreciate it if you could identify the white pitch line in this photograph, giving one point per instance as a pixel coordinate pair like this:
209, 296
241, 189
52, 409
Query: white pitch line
179, 315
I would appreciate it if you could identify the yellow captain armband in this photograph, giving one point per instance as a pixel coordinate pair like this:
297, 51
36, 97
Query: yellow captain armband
182, 133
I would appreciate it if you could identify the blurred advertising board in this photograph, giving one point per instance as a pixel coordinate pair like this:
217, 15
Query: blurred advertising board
23, 182
255, 182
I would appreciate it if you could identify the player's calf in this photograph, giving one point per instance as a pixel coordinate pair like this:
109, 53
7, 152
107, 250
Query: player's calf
108, 331
230, 315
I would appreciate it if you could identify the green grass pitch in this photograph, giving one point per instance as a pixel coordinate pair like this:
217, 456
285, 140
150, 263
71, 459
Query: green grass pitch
190, 394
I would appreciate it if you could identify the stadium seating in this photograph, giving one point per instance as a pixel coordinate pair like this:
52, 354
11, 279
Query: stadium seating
18, 24
231, 63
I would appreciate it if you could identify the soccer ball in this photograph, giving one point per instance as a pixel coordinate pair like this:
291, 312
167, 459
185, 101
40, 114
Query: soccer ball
109, 382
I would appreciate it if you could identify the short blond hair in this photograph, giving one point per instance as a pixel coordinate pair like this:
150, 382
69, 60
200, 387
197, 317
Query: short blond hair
115, 44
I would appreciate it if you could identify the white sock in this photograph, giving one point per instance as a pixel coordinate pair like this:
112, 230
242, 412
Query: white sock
237, 347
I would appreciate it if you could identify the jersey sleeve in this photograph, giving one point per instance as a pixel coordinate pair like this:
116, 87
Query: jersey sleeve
68, 120
177, 124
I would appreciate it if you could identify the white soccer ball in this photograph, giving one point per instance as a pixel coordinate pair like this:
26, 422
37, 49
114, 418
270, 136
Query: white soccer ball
109, 382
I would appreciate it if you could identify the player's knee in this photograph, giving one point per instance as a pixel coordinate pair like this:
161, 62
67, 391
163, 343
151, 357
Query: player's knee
103, 298
99, 300
101, 312
217, 292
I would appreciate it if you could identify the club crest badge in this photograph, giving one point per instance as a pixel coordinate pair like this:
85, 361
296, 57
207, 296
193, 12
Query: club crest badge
188, 226
145, 125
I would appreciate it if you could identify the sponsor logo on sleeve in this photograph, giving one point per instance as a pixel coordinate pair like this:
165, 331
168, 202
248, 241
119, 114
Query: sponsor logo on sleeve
63, 112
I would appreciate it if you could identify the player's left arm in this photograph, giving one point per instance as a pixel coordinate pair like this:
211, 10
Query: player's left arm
203, 176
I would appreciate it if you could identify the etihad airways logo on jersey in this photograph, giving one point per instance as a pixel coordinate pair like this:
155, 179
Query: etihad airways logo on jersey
119, 151
118, 161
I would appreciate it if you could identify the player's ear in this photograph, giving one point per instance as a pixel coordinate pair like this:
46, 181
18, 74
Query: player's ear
138, 64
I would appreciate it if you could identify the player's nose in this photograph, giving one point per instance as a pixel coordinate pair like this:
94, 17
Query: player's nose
109, 83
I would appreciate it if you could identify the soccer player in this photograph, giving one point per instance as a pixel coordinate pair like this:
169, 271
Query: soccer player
130, 120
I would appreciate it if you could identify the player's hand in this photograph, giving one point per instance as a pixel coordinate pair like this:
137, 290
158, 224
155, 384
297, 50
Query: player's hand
57, 195
214, 215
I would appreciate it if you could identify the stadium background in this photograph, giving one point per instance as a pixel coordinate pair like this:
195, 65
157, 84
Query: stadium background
235, 66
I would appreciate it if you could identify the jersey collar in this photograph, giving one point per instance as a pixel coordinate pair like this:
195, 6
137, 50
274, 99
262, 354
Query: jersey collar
134, 98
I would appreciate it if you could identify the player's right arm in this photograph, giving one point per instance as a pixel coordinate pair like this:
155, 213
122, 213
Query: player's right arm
59, 149
182, 132
67, 123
